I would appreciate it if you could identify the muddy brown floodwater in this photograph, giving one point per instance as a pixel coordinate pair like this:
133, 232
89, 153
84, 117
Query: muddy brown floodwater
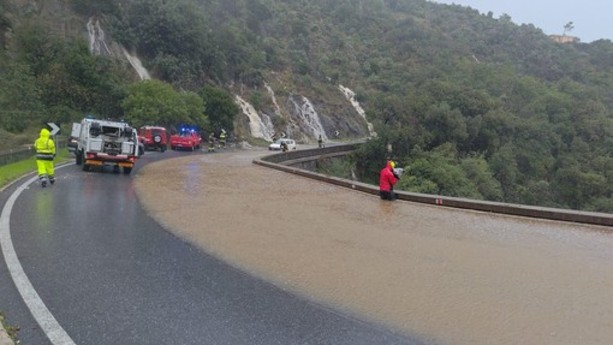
449, 276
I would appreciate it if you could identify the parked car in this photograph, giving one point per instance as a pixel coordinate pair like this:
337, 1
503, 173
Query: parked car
153, 137
291, 144
188, 139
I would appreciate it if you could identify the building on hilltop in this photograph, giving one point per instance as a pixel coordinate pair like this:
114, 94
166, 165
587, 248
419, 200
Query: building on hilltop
564, 38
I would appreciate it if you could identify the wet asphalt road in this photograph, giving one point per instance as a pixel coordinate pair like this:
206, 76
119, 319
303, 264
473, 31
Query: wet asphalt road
109, 274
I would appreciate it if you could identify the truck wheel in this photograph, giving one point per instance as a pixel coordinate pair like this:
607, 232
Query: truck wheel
163, 148
79, 158
85, 167
127, 170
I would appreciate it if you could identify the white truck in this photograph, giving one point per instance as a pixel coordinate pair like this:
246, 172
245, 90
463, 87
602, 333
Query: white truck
102, 142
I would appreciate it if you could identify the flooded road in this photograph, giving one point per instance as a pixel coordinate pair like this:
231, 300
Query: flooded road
450, 276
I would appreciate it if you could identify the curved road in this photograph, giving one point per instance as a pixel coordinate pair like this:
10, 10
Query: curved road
109, 274
345, 267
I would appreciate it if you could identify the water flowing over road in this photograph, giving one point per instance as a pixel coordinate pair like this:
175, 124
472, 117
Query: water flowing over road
82, 263
450, 276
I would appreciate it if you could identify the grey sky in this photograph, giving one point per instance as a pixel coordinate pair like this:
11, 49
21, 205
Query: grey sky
592, 18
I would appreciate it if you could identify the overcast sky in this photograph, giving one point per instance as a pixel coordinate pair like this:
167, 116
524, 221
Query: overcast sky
592, 18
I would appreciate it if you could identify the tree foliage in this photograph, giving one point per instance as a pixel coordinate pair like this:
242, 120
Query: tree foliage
157, 103
220, 108
44, 78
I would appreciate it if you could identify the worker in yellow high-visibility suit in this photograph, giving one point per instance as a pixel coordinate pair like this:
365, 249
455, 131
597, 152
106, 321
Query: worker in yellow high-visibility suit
45, 153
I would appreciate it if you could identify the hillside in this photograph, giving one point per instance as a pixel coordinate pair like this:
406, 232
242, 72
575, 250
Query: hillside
472, 105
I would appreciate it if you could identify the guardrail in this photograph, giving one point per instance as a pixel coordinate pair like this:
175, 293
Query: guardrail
15, 155
19, 154
283, 162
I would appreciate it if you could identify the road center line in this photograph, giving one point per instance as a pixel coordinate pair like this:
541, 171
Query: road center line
56, 334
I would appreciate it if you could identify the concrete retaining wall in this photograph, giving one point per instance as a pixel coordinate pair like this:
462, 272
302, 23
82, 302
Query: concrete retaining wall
292, 162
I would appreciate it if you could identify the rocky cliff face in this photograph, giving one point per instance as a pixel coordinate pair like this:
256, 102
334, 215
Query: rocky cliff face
100, 44
298, 115
302, 116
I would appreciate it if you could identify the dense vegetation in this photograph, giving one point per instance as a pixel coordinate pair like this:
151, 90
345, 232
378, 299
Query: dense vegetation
472, 105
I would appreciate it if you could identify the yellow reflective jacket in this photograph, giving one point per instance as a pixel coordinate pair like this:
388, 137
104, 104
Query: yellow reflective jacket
44, 146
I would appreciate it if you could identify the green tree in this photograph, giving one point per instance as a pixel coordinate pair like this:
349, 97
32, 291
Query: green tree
440, 172
568, 27
576, 189
445, 125
77, 80
154, 102
478, 172
489, 132
193, 106
220, 108
503, 165
35, 46
20, 103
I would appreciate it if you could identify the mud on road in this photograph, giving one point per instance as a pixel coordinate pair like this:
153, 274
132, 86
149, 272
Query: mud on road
451, 276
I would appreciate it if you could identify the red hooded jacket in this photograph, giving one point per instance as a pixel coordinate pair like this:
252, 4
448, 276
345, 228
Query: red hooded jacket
386, 178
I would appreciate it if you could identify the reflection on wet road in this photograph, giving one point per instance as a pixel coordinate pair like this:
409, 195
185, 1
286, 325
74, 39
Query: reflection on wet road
453, 276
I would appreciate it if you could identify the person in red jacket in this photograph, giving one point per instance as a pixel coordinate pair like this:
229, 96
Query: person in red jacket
387, 180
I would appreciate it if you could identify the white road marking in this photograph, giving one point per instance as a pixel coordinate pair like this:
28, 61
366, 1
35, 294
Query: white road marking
56, 334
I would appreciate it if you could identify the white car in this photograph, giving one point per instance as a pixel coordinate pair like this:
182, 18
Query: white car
291, 144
